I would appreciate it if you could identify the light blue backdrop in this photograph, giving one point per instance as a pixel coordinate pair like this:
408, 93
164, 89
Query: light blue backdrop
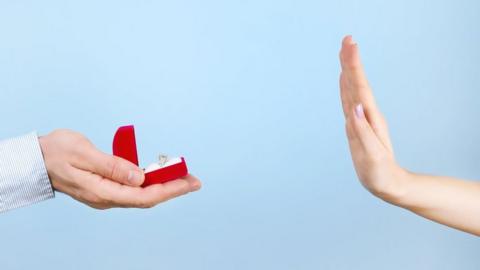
247, 92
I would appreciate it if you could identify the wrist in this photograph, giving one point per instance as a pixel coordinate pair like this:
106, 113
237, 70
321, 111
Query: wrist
396, 192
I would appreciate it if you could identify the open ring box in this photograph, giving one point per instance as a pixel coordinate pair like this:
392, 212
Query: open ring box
164, 170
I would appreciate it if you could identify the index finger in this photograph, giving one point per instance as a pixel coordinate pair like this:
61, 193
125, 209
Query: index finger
354, 82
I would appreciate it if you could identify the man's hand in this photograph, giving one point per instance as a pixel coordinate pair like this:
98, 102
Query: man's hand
100, 180
367, 131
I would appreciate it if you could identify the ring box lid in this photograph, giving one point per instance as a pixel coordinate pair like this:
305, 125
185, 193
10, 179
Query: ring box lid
124, 144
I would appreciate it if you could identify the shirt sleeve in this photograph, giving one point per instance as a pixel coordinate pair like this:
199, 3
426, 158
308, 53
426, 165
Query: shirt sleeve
23, 176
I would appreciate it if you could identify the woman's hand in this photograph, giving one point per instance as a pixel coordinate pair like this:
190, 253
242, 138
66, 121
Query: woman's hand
367, 130
450, 201
102, 181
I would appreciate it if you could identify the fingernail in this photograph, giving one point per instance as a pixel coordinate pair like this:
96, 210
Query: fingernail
134, 177
359, 111
350, 40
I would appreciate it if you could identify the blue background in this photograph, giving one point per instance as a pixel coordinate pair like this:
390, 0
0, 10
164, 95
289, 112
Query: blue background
247, 91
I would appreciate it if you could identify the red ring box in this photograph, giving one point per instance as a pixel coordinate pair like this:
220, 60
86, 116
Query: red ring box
125, 146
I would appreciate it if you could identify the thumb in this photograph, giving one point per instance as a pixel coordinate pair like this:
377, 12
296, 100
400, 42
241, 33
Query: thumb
116, 169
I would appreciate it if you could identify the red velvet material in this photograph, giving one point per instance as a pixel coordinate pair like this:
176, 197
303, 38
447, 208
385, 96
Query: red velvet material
166, 174
124, 146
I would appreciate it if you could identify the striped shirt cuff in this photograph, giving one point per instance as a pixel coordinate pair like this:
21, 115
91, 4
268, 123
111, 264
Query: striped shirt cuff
23, 175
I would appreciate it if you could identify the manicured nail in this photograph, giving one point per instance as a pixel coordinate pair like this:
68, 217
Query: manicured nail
134, 177
359, 111
351, 41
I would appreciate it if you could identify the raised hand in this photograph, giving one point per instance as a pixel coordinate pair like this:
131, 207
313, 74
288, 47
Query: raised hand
450, 201
367, 130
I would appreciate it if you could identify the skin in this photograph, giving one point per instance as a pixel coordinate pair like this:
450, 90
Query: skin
449, 201
103, 181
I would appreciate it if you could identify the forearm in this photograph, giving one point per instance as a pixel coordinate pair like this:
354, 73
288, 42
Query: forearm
452, 202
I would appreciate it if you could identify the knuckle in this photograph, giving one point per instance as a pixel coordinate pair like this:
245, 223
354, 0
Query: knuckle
69, 134
101, 197
112, 165
95, 199
73, 141
78, 194
80, 145
92, 200
60, 132
106, 198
